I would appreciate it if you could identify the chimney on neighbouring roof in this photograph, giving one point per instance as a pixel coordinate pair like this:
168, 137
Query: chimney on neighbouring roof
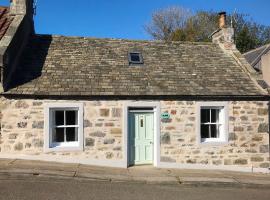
224, 36
22, 7
222, 20
15, 39
25, 9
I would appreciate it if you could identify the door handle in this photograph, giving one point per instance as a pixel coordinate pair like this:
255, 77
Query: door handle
151, 142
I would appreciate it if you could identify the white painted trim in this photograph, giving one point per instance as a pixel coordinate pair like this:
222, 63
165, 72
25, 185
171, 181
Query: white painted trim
123, 164
125, 135
61, 159
225, 121
211, 167
156, 109
47, 121
141, 111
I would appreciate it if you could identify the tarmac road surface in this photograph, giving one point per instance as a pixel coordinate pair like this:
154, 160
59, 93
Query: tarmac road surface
71, 189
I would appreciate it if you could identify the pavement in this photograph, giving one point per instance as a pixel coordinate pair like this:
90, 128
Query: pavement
14, 168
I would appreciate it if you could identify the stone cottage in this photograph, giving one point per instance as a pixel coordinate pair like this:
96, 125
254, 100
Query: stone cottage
118, 103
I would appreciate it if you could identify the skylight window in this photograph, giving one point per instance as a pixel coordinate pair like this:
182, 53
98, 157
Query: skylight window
135, 58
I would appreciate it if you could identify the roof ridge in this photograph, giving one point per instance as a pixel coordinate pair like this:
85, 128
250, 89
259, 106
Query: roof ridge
257, 59
256, 49
125, 39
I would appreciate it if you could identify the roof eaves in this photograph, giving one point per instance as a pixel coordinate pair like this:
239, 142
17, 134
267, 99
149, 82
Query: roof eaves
137, 97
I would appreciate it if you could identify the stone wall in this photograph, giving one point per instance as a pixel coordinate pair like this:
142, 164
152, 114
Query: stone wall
248, 138
22, 124
22, 129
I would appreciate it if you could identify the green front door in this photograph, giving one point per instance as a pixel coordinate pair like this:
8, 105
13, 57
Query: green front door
141, 132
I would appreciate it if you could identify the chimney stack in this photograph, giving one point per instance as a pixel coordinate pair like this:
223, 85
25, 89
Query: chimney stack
15, 39
222, 20
21, 7
224, 35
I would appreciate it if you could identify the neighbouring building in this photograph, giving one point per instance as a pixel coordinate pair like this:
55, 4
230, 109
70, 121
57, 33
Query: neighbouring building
259, 59
113, 102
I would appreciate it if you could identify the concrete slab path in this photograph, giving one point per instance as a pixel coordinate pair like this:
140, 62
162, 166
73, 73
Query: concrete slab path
146, 174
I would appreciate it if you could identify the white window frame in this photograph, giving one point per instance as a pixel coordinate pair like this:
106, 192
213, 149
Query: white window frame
62, 146
223, 120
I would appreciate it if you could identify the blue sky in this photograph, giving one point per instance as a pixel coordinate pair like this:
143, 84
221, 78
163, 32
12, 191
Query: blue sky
125, 18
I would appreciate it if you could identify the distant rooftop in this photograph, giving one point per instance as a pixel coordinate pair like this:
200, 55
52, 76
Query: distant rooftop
254, 56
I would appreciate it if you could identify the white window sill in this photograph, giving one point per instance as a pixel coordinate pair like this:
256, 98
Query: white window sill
213, 143
64, 144
63, 149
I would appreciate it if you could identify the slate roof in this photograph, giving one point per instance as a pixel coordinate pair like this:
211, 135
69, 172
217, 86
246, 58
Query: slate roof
56, 65
254, 56
5, 20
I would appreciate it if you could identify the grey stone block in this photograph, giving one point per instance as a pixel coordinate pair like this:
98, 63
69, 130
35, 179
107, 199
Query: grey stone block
18, 147
98, 134
167, 159
166, 138
263, 128
38, 124
89, 142
109, 141
264, 148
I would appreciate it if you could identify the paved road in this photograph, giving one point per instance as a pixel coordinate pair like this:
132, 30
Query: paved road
70, 189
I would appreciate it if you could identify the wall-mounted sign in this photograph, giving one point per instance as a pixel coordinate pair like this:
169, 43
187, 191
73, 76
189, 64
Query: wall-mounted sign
165, 115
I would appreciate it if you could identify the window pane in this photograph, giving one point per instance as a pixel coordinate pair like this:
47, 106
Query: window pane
215, 115
58, 135
214, 131
71, 117
135, 57
72, 134
204, 131
205, 115
59, 118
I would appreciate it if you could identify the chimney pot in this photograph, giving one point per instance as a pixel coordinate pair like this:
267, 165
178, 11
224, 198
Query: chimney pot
222, 20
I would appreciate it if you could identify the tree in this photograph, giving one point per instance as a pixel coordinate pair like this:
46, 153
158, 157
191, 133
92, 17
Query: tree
180, 24
166, 21
245, 41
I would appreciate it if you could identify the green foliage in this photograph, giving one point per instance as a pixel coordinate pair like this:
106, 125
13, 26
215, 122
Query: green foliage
245, 40
179, 24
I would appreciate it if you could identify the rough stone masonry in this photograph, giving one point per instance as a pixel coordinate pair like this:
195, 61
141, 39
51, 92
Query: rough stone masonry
22, 132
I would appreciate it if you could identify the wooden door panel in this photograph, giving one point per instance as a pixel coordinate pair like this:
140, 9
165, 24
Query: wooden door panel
141, 132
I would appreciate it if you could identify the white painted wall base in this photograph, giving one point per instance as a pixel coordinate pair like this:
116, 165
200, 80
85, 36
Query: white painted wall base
94, 162
123, 164
212, 167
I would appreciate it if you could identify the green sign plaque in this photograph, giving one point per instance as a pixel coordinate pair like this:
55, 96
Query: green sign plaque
165, 115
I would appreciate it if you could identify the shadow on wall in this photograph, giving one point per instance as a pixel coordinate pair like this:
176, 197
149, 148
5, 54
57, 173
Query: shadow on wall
31, 62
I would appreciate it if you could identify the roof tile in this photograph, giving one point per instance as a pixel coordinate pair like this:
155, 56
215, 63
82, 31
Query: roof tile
87, 66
